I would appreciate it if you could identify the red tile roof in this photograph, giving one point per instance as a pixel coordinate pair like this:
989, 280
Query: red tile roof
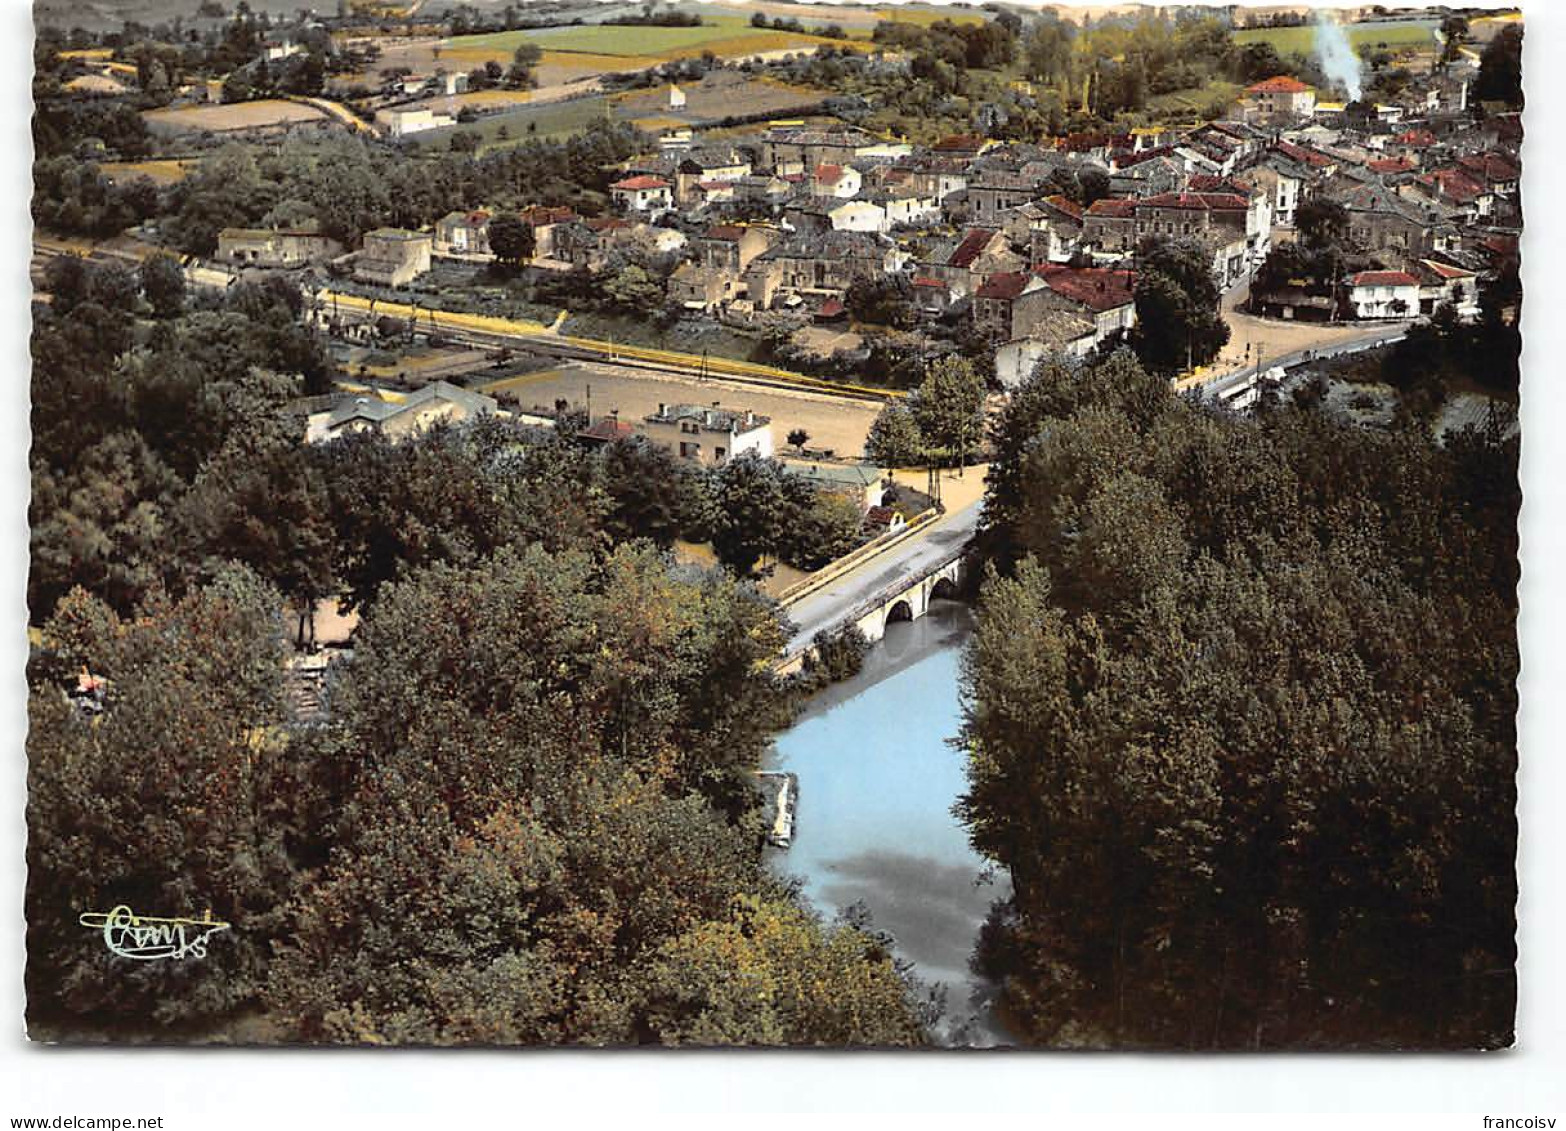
1065, 204
1303, 153
539, 215
1415, 137
1199, 201
609, 429
1005, 285
1446, 270
1122, 208
1278, 84
1391, 165
725, 232
1384, 279
927, 281
829, 174
1098, 288
1491, 166
1453, 184
973, 244
639, 183
1209, 182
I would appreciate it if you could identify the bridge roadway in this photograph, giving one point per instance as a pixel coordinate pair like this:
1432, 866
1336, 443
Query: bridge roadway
846, 598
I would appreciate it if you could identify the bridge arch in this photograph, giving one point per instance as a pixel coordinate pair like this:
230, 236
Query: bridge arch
901, 609
944, 589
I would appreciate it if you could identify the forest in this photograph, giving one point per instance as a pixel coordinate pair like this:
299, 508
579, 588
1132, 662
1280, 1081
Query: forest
528, 816
1241, 722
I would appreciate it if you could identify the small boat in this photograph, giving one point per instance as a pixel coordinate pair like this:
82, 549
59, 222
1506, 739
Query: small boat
782, 792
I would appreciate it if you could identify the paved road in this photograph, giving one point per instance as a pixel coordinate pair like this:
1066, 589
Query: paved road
1383, 334
829, 606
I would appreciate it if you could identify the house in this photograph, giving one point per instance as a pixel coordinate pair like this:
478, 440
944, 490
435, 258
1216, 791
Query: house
695, 287
994, 192
980, 253
1232, 225
998, 305
543, 220
1282, 95
1381, 220
858, 216
1057, 233
709, 436
436, 402
1147, 174
643, 193
1383, 294
883, 520
274, 247
1109, 226
606, 430
1103, 297
393, 257
1466, 197
794, 149
463, 233
1444, 283
732, 247
402, 123
707, 165
904, 204
862, 484
1056, 333
840, 181
818, 264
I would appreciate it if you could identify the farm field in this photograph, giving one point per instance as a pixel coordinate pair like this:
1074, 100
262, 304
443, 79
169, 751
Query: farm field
158, 172
725, 36
1301, 40
719, 95
232, 116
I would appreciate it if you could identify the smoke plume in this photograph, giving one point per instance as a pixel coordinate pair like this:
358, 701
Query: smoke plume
1337, 58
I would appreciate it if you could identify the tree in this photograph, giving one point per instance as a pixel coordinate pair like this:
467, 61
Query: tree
633, 290
651, 492
1178, 321
894, 439
948, 408
523, 61
1500, 69
163, 284
1205, 850
510, 239
750, 511
822, 530
1321, 223
192, 698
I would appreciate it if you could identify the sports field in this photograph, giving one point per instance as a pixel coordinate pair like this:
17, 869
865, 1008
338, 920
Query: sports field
1302, 40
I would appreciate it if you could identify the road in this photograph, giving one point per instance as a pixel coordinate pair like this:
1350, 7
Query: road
831, 605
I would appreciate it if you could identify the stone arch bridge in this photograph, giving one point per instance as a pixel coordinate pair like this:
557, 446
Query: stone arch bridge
906, 598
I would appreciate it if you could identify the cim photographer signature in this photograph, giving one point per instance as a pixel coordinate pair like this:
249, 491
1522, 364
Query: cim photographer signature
147, 938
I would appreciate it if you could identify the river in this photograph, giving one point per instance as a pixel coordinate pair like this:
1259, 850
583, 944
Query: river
874, 824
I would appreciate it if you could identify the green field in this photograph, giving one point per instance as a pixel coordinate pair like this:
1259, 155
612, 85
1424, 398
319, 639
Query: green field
1196, 100
1302, 40
722, 35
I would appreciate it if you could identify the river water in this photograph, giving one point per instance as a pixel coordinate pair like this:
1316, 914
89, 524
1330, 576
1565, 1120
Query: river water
874, 824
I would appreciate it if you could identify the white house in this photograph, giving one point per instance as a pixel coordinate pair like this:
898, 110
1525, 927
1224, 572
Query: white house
859, 216
401, 123
841, 181
1384, 294
643, 193
1283, 95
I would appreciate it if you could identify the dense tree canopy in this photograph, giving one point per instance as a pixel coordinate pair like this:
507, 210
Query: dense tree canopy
1242, 723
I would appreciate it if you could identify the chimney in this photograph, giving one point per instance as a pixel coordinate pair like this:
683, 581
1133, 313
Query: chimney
661, 408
